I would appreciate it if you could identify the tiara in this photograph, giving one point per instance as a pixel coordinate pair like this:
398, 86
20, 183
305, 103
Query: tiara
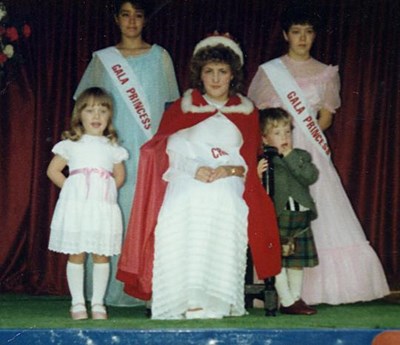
217, 38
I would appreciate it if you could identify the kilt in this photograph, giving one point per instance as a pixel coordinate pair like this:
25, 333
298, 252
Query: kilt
291, 223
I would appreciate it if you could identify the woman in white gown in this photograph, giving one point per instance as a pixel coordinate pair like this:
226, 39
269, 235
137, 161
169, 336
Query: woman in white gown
212, 202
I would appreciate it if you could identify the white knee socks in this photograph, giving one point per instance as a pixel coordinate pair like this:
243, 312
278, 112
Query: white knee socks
295, 278
75, 278
75, 274
101, 274
282, 287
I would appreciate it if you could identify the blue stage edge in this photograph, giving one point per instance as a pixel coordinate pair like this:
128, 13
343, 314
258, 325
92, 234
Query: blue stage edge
188, 337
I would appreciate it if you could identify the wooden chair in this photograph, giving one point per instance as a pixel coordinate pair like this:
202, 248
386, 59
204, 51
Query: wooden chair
265, 291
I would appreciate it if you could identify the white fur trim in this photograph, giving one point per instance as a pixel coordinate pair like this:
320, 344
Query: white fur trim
245, 107
188, 106
215, 40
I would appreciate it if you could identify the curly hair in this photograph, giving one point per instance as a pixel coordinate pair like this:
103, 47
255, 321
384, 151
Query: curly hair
90, 96
217, 53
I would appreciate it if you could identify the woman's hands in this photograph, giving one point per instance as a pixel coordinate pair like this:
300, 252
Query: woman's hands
208, 174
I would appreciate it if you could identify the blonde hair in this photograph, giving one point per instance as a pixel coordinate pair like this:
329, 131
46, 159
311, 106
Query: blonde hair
273, 117
90, 96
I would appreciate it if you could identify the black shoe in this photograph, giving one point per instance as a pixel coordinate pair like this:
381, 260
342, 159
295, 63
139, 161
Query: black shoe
298, 308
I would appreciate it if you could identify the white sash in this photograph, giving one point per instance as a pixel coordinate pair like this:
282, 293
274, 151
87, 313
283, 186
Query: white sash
295, 103
128, 86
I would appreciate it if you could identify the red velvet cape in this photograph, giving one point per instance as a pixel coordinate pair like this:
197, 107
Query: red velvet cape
135, 266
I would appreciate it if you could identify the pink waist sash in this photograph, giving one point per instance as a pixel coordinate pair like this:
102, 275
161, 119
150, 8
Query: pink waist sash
103, 173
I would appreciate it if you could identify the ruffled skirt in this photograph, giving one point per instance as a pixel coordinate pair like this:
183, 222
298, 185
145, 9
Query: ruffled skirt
349, 269
200, 249
87, 217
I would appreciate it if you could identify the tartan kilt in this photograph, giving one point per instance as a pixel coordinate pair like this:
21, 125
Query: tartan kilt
290, 223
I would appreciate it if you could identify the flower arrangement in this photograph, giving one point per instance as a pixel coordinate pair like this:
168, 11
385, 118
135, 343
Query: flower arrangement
10, 34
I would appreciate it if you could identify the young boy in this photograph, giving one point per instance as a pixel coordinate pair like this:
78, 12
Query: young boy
294, 172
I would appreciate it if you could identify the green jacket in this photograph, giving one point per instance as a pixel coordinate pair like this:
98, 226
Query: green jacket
293, 174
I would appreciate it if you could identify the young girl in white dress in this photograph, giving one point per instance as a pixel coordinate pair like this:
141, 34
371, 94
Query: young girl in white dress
87, 218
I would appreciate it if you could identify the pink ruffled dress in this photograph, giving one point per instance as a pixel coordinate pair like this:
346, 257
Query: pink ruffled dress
349, 269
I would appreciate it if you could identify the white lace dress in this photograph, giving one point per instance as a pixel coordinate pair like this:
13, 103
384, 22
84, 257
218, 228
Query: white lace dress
87, 217
201, 234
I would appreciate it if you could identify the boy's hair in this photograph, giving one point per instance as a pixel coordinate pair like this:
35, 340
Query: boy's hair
90, 96
272, 117
300, 14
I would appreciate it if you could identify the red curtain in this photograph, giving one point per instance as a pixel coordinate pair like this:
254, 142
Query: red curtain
362, 37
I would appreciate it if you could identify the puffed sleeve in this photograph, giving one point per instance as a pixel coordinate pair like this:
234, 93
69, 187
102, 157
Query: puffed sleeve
120, 154
93, 76
261, 91
170, 76
62, 149
331, 100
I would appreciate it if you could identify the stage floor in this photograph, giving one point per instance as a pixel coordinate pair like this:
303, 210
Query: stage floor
44, 320
188, 337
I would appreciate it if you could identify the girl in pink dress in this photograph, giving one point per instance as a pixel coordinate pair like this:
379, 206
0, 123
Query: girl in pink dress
349, 269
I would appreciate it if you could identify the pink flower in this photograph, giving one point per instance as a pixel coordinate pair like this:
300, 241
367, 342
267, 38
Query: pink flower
26, 30
3, 58
12, 34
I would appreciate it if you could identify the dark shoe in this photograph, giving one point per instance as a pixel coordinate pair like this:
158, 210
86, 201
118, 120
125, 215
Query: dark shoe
298, 308
304, 304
